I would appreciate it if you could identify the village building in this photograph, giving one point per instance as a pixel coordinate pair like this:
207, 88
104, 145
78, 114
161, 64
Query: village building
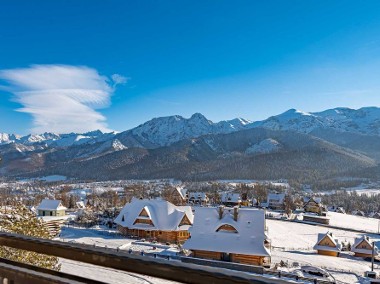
53, 214
230, 199
50, 207
178, 196
314, 205
358, 213
328, 244
230, 234
375, 215
156, 220
275, 201
200, 198
362, 247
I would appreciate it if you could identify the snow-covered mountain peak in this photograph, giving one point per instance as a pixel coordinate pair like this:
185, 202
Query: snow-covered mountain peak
164, 131
363, 121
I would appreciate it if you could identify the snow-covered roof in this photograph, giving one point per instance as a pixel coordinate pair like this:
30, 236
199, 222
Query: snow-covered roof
366, 241
248, 239
374, 215
80, 205
276, 197
337, 245
230, 197
198, 196
358, 213
317, 200
50, 204
164, 215
182, 191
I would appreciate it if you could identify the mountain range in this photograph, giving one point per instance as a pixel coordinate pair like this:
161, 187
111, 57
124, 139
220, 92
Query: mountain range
295, 144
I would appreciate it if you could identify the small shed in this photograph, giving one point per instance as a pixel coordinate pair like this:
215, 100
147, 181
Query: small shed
50, 207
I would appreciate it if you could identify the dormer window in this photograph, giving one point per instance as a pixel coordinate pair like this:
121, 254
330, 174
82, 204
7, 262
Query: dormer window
227, 228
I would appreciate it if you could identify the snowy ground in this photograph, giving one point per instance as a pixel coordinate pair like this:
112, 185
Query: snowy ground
108, 238
293, 242
107, 275
354, 222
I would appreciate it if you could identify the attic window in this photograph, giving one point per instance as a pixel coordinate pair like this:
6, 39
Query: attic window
185, 221
143, 213
227, 228
122, 219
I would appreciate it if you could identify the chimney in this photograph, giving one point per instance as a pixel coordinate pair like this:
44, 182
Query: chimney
220, 211
236, 213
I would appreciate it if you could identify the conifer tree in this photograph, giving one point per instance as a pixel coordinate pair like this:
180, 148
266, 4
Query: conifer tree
21, 220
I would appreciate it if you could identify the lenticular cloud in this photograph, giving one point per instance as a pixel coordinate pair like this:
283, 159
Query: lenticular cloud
61, 98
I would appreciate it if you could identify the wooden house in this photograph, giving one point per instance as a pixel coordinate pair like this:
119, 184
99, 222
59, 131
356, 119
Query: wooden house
230, 199
50, 207
230, 234
314, 205
178, 196
200, 198
156, 220
276, 201
362, 247
328, 244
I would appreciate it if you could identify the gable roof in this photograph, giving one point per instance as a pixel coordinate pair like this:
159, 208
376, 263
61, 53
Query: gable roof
49, 204
337, 246
164, 215
317, 200
355, 247
278, 197
249, 238
198, 196
230, 197
181, 191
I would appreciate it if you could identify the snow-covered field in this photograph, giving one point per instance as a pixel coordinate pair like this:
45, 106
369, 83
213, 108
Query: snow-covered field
293, 242
354, 222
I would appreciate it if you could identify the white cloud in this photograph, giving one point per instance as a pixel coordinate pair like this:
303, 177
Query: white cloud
62, 98
119, 79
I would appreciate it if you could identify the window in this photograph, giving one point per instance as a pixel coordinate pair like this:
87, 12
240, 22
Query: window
227, 228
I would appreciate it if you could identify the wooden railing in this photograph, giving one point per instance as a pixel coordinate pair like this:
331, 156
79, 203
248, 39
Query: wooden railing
15, 272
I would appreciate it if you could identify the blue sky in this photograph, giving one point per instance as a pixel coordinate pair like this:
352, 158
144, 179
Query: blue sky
225, 59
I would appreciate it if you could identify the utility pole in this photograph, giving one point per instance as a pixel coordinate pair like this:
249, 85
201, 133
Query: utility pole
373, 255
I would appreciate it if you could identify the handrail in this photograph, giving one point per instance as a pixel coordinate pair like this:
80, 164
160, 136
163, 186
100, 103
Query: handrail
170, 270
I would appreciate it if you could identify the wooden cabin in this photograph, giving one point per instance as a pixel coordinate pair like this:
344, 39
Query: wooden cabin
155, 220
327, 244
230, 234
362, 247
178, 196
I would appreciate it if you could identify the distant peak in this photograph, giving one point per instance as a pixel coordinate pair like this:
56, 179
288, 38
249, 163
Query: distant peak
198, 115
294, 111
